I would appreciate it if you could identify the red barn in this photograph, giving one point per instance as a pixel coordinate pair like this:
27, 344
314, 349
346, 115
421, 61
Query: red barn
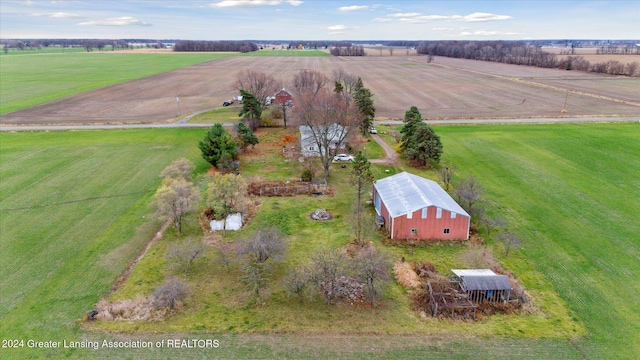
283, 96
417, 208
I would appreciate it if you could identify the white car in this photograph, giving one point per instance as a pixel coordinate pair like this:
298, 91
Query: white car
343, 157
373, 131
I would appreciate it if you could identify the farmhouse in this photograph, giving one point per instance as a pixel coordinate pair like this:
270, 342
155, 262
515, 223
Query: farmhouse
313, 141
484, 285
412, 207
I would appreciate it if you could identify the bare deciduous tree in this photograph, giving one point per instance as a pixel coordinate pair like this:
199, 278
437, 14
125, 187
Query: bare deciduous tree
446, 173
309, 83
174, 199
183, 255
179, 169
372, 268
510, 241
169, 294
326, 268
296, 281
492, 223
469, 191
254, 277
347, 81
268, 243
329, 119
224, 253
259, 84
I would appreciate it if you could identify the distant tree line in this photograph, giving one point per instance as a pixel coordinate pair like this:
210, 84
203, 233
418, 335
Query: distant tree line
520, 53
349, 50
318, 44
89, 44
231, 46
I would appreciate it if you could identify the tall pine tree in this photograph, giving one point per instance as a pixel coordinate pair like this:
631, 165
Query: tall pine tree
364, 99
216, 142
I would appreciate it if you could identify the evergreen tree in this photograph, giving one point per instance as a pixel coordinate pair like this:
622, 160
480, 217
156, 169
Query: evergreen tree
363, 98
216, 142
423, 145
361, 178
246, 137
251, 108
411, 118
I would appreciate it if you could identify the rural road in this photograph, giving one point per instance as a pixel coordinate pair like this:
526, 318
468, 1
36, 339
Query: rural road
182, 123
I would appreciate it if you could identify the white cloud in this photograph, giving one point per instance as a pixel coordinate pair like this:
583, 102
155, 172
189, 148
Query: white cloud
478, 16
486, 33
402, 15
63, 15
337, 27
417, 18
120, 21
381, 20
423, 19
59, 15
353, 8
337, 33
254, 3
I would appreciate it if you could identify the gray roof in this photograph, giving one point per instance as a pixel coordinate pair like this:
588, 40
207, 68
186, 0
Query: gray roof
404, 193
483, 282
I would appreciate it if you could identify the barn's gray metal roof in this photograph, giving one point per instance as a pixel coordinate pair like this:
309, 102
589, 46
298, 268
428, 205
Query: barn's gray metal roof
404, 193
483, 282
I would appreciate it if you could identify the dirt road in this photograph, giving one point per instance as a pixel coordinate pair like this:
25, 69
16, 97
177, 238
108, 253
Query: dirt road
390, 158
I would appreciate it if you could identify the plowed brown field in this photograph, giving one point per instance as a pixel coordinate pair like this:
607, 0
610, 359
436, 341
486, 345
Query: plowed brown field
443, 89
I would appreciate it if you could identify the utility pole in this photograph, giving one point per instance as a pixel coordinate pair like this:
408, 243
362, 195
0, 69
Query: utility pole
564, 108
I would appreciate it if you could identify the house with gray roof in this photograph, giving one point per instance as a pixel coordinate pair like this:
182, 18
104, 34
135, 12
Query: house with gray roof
313, 141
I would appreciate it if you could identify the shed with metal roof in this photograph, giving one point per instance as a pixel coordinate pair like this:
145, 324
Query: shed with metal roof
484, 285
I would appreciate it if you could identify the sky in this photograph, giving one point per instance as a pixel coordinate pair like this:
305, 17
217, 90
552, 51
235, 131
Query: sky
321, 19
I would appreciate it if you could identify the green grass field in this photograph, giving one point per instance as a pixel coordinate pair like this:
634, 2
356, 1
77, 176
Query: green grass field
44, 50
572, 193
75, 210
35, 79
72, 219
223, 115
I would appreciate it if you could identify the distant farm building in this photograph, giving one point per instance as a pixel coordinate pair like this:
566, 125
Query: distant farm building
333, 136
412, 207
283, 97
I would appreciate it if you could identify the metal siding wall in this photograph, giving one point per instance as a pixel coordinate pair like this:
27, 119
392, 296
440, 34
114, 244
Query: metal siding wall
429, 228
